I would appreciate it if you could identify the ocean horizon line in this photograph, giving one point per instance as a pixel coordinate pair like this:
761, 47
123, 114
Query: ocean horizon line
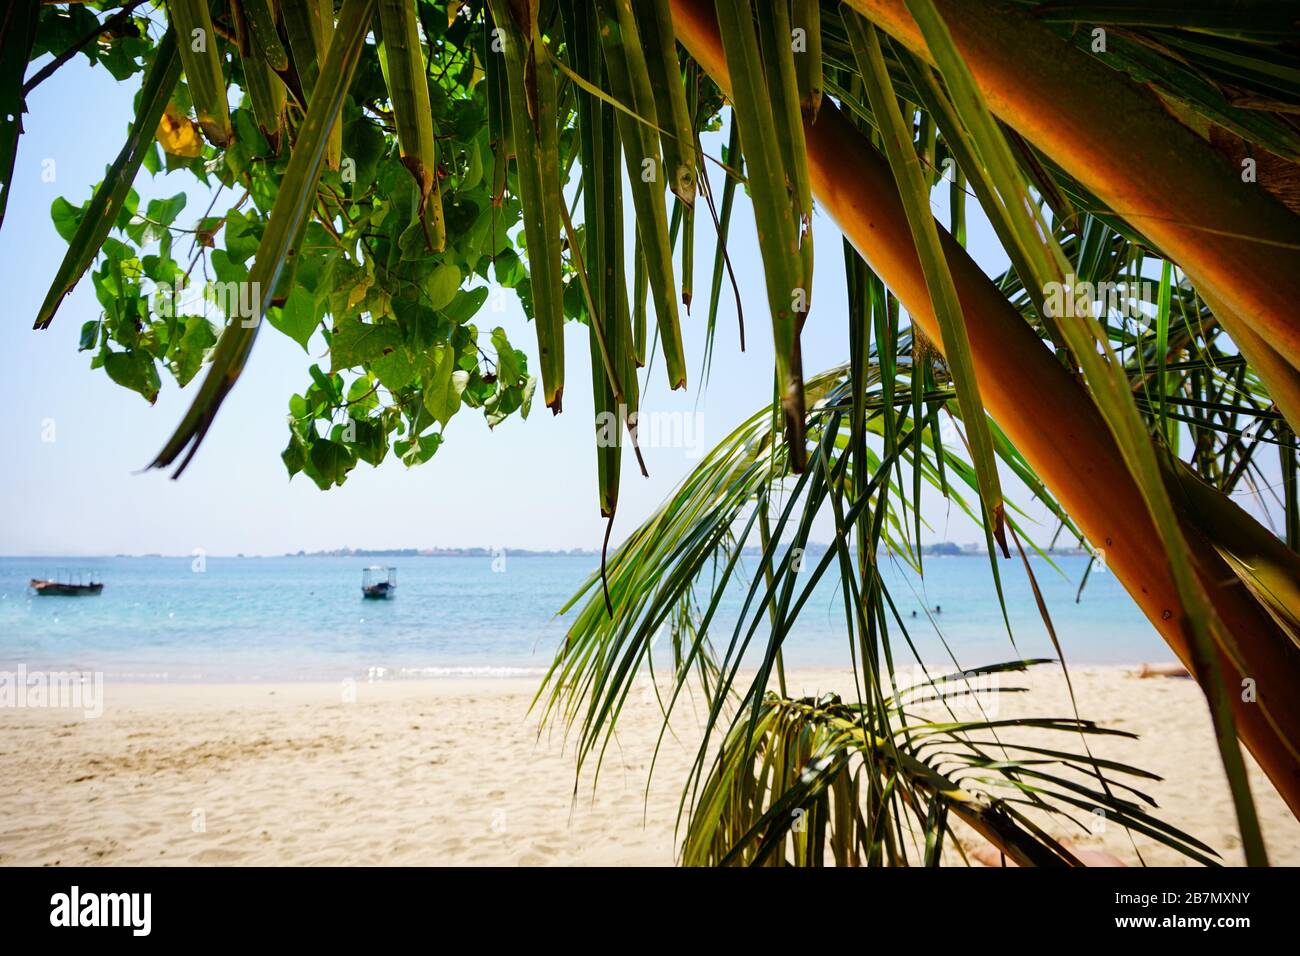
934, 549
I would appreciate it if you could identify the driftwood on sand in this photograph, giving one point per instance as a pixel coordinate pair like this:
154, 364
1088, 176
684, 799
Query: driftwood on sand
1162, 670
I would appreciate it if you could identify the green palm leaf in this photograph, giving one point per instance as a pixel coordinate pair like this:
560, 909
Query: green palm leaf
292, 209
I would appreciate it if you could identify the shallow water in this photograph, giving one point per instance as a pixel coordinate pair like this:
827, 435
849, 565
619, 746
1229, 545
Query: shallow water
294, 618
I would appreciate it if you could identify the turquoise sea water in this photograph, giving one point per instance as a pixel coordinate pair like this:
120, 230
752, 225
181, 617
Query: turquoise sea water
303, 618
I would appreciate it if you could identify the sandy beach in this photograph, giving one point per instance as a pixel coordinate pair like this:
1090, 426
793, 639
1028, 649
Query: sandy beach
453, 771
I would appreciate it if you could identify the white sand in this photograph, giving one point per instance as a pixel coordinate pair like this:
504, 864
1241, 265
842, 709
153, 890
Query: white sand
451, 771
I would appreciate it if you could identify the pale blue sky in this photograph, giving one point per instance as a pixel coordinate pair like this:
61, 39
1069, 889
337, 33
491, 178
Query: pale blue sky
527, 485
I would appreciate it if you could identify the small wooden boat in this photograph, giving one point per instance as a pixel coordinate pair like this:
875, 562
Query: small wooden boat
46, 588
378, 583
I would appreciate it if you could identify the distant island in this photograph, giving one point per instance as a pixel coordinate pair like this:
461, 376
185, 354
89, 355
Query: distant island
813, 549
437, 553
952, 549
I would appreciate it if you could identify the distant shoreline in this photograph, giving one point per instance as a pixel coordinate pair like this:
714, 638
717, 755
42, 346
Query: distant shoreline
944, 549
413, 553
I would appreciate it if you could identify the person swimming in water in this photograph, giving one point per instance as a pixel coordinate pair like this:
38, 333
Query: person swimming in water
938, 609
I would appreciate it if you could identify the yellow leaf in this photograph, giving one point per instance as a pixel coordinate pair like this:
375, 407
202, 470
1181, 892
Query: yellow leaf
453, 8
178, 134
478, 73
358, 292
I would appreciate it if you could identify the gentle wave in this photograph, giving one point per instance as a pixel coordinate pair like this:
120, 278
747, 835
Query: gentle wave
464, 671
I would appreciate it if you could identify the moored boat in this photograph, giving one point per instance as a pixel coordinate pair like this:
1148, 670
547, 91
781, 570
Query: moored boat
48, 588
378, 583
